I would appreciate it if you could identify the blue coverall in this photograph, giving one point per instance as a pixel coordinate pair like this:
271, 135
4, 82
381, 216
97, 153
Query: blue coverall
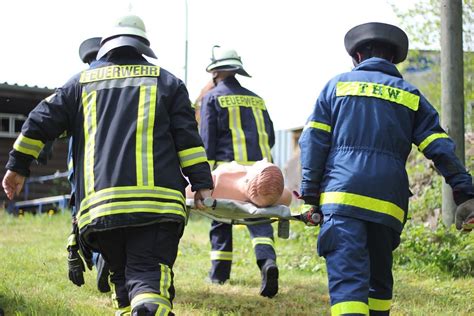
353, 151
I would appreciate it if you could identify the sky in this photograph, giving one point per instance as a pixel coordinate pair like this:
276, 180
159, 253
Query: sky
291, 48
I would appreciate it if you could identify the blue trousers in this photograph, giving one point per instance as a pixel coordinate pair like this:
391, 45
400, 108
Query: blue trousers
221, 247
359, 264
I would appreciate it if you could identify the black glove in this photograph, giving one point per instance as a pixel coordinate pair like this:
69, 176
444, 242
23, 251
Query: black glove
465, 216
311, 215
76, 267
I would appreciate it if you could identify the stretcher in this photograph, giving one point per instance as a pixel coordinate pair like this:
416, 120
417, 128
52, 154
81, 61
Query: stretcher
241, 213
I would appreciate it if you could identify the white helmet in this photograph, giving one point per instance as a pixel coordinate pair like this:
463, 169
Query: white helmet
122, 34
226, 60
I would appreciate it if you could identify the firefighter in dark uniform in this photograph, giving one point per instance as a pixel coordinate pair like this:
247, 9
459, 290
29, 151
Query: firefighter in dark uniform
134, 137
353, 152
235, 126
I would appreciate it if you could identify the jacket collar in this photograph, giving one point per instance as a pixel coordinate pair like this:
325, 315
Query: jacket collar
229, 81
378, 64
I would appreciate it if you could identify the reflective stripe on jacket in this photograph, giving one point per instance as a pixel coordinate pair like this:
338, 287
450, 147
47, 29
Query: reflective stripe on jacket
134, 133
235, 124
356, 143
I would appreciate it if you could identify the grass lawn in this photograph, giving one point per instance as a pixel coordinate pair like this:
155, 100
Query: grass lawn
33, 276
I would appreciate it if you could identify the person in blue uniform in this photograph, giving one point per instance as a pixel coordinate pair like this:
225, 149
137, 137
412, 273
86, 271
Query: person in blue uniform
236, 126
354, 148
135, 141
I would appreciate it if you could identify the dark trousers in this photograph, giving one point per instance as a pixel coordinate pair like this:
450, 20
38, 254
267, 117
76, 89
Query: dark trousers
141, 261
359, 263
221, 247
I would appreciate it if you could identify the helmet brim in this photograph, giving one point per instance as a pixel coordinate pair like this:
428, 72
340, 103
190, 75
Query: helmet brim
224, 66
381, 32
89, 48
123, 41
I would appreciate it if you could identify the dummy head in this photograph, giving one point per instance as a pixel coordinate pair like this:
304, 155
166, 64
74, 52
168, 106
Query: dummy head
264, 183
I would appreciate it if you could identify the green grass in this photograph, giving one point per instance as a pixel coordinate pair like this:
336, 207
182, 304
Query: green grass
33, 277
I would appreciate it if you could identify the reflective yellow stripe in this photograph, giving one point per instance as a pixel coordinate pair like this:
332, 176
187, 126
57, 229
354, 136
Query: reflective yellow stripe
221, 255
124, 311
90, 128
375, 90
228, 101
150, 298
119, 72
318, 125
351, 307
162, 311
428, 140
71, 240
212, 163
130, 207
262, 241
28, 145
365, 202
165, 280
131, 192
144, 135
262, 134
379, 305
192, 156
238, 137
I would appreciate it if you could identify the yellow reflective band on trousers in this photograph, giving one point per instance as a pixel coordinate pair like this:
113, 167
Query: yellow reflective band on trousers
262, 241
130, 207
238, 136
150, 298
28, 146
90, 128
318, 125
124, 311
162, 311
350, 307
119, 72
137, 192
221, 255
192, 156
262, 134
379, 305
428, 140
376, 90
144, 135
165, 280
365, 202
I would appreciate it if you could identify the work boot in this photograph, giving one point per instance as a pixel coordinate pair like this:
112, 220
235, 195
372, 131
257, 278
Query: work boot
102, 275
269, 271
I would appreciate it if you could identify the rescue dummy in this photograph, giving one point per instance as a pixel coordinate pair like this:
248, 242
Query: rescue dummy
354, 149
261, 184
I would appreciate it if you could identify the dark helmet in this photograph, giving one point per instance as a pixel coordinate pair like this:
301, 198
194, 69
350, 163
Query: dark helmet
379, 32
89, 48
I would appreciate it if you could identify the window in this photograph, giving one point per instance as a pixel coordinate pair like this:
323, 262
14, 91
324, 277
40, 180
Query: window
10, 124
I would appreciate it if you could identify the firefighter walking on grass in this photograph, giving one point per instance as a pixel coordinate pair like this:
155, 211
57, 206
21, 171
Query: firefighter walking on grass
236, 126
134, 136
353, 152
